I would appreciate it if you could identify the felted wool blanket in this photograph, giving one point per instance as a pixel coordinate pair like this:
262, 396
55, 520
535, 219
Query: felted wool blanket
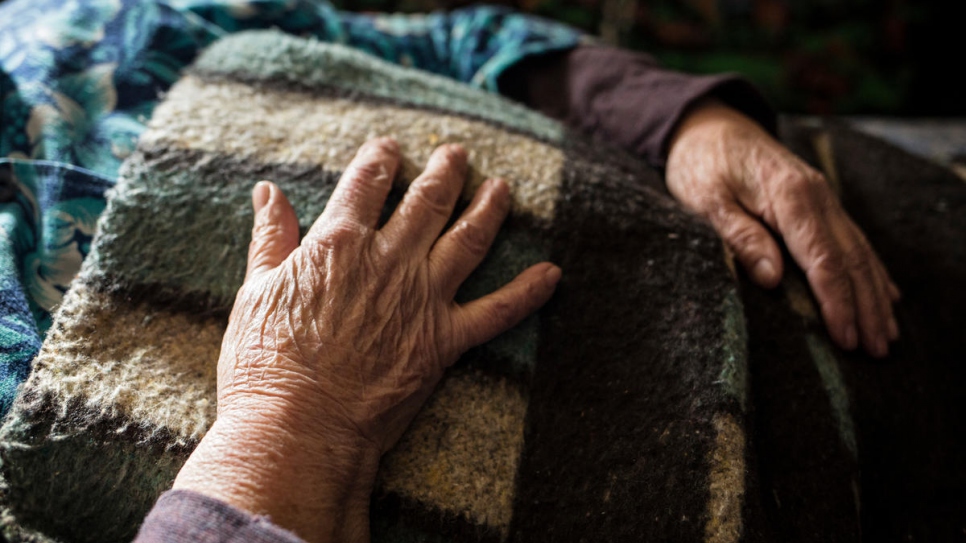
635, 406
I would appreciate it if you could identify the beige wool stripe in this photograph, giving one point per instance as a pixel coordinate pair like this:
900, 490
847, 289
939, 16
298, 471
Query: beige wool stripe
727, 487
276, 126
462, 451
155, 368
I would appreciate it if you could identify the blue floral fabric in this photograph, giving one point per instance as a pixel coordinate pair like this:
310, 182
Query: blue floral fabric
79, 79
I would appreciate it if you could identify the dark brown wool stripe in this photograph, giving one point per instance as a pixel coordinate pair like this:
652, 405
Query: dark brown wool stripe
805, 467
912, 418
591, 155
398, 520
626, 387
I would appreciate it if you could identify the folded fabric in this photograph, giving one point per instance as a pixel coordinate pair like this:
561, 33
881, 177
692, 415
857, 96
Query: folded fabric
622, 411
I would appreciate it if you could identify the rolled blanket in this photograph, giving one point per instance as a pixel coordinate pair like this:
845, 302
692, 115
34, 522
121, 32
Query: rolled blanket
620, 412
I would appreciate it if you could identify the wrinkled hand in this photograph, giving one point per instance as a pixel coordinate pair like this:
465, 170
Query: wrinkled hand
334, 343
724, 167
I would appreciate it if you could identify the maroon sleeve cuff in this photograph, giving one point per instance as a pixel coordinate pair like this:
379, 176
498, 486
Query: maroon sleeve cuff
182, 516
626, 98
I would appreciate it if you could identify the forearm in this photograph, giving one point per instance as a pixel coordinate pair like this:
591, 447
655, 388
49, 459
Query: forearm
270, 471
625, 98
251, 478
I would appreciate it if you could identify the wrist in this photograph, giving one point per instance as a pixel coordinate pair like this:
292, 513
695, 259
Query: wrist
316, 488
708, 121
705, 112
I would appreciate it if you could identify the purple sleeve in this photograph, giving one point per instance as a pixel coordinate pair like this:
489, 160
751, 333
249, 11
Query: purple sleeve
623, 97
181, 516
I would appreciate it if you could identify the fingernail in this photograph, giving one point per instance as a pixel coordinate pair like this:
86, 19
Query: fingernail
387, 143
499, 187
893, 329
552, 276
456, 148
895, 293
881, 347
261, 195
851, 337
764, 271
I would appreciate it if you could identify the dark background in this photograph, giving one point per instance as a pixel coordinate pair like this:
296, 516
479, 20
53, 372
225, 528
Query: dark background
865, 57
879, 57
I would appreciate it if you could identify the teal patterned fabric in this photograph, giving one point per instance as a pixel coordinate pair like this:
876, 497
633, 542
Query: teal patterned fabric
80, 78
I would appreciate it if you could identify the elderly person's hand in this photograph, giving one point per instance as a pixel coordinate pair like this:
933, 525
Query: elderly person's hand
723, 166
334, 343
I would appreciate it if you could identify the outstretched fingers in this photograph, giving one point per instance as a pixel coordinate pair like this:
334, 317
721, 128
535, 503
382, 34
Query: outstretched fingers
461, 249
429, 201
869, 279
849, 281
485, 318
275, 233
824, 264
361, 193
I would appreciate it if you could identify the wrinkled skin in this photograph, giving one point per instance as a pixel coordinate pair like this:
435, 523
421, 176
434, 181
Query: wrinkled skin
724, 167
334, 343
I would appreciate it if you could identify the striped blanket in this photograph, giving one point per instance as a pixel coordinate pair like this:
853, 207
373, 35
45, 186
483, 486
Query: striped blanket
621, 411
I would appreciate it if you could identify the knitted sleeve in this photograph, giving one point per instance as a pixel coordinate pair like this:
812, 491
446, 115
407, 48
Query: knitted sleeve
625, 98
181, 516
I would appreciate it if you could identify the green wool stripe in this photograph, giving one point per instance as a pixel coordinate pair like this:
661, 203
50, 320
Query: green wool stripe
192, 249
838, 395
206, 198
734, 373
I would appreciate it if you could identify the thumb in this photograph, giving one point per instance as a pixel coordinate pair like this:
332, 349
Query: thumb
276, 231
751, 242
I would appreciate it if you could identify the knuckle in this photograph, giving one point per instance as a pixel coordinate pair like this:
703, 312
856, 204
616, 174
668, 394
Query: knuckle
472, 238
827, 201
802, 183
452, 152
340, 234
743, 235
858, 261
431, 193
367, 171
828, 265
798, 208
385, 145
264, 230
449, 161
